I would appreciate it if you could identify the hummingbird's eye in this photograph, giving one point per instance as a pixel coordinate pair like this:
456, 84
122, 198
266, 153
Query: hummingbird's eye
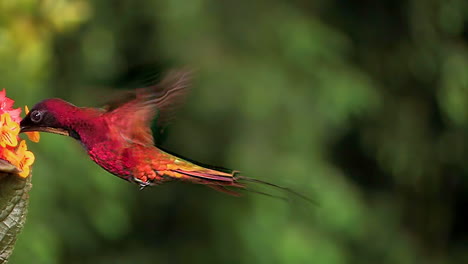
36, 116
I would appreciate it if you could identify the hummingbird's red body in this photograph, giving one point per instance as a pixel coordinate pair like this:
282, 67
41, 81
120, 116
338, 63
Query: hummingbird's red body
119, 139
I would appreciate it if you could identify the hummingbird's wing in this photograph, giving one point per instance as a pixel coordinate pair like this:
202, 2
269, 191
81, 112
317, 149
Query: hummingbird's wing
132, 113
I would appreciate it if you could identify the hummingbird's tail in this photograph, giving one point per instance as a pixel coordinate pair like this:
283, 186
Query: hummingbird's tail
247, 182
215, 179
223, 180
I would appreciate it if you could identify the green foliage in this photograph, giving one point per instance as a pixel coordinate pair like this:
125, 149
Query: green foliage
361, 105
13, 208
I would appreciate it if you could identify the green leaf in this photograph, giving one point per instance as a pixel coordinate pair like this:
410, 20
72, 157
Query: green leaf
13, 207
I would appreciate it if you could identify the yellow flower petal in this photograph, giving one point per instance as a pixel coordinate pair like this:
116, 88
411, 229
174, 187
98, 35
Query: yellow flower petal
11, 157
21, 148
8, 122
21, 158
26, 162
25, 172
33, 136
7, 139
8, 131
28, 159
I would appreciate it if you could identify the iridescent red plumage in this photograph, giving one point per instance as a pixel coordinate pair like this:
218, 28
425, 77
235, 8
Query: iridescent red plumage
118, 137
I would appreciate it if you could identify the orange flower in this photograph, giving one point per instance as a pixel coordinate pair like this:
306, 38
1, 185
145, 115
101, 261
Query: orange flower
33, 136
10, 150
8, 131
21, 158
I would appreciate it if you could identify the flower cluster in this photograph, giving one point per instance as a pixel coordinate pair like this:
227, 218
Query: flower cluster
12, 148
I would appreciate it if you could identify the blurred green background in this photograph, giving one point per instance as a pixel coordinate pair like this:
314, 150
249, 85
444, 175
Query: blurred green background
362, 105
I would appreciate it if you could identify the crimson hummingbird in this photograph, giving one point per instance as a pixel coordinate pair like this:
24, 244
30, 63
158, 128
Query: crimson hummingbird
118, 137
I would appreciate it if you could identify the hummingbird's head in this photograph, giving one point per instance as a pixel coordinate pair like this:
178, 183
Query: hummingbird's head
51, 115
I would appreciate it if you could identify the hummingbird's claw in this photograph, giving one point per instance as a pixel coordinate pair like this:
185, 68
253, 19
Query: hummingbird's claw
142, 184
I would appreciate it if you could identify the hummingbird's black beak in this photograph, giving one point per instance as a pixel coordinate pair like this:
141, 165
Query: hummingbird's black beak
27, 125
53, 130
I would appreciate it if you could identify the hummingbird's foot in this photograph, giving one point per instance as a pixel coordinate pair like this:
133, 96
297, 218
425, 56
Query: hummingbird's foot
142, 184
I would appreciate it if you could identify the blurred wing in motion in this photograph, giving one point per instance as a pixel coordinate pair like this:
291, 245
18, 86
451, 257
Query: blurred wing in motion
133, 111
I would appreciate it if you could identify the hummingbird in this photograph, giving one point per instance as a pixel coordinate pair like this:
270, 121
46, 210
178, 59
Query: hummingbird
118, 136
